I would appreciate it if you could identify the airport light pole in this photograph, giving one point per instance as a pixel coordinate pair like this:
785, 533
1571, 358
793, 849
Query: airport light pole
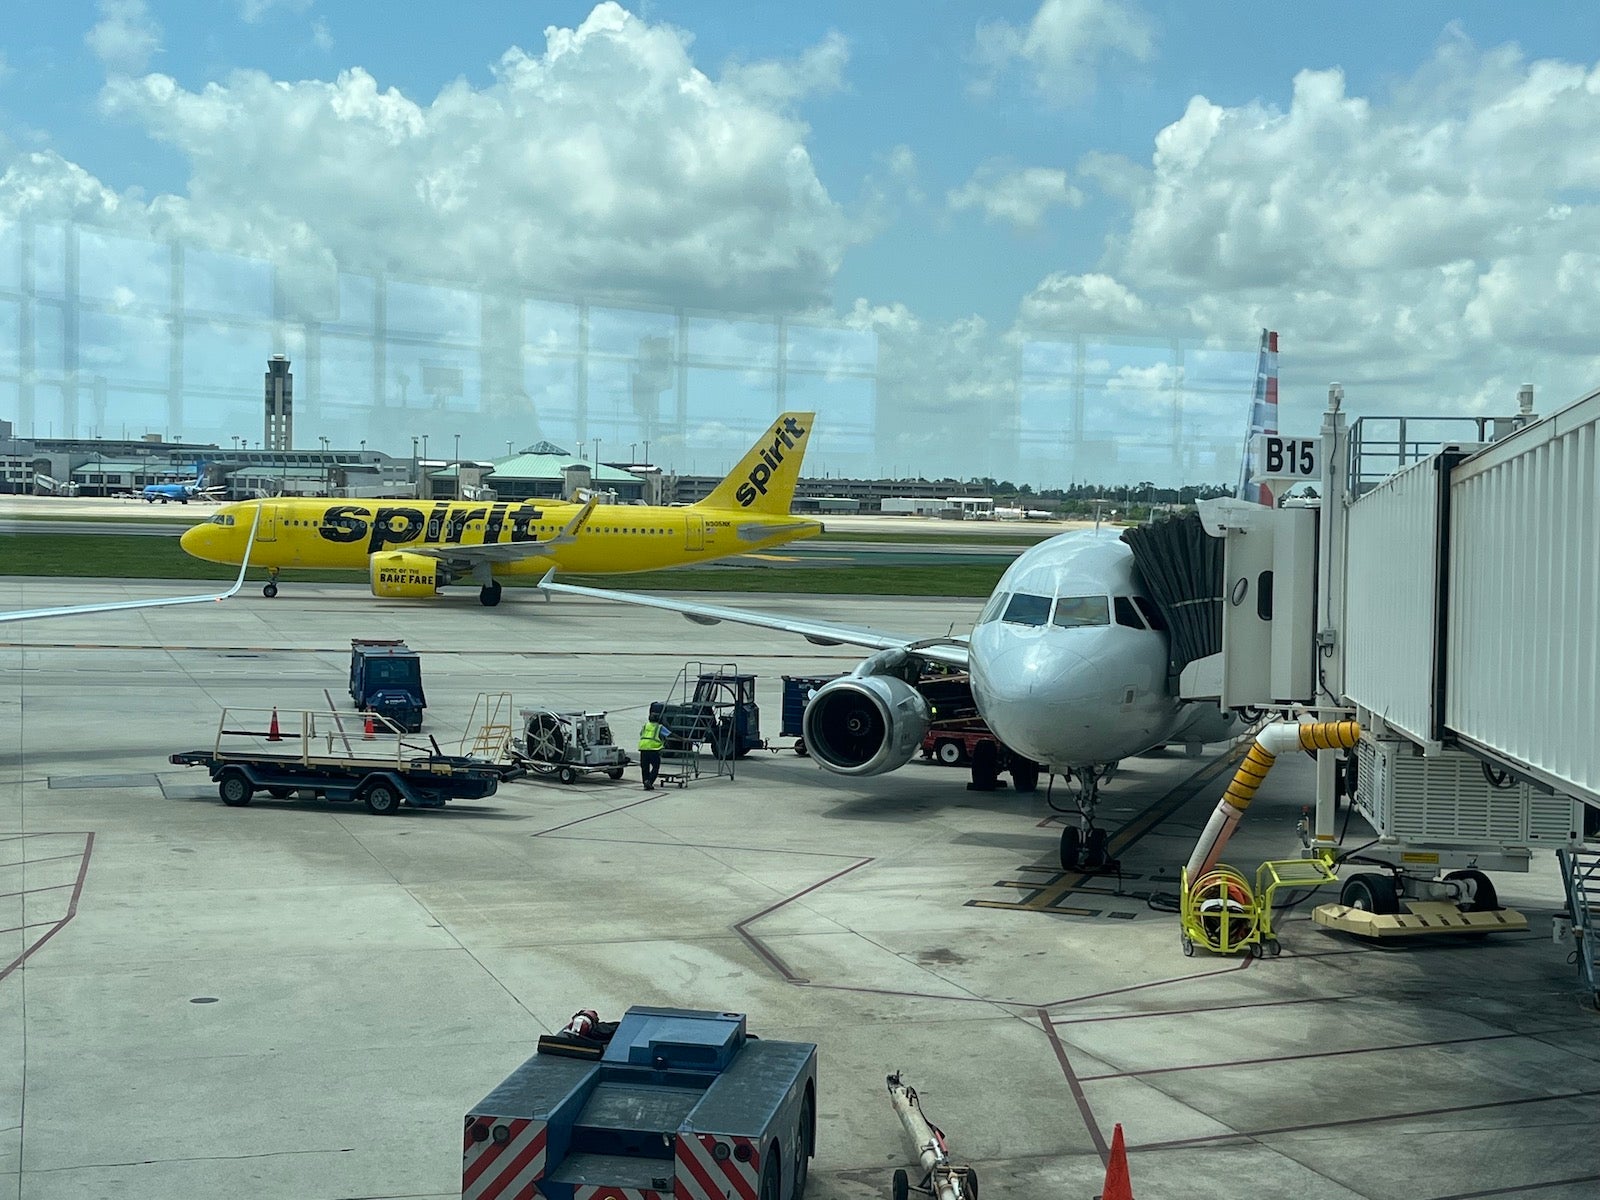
457, 465
416, 477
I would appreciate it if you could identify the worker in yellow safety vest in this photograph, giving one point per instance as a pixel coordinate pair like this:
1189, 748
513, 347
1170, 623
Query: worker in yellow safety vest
650, 742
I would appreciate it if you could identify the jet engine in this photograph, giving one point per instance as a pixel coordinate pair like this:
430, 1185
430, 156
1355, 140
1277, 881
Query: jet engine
865, 724
396, 574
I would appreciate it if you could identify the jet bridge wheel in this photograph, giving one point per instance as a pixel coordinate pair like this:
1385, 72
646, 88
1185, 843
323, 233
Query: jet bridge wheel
1371, 893
1481, 896
489, 595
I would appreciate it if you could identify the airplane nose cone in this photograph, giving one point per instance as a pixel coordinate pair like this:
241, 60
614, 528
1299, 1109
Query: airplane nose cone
193, 541
1040, 697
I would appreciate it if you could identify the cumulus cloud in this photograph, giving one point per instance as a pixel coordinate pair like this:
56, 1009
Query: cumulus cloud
1064, 46
126, 36
321, 38
1019, 197
1434, 238
607, 164
817, 71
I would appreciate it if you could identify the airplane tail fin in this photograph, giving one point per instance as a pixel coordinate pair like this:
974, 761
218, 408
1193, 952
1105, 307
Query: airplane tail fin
765, 479
1263, 419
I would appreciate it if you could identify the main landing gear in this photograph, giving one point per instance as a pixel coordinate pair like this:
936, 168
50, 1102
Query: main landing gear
270, 591
489, 594
1084, 846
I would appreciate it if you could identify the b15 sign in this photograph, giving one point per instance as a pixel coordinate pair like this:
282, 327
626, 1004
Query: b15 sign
1278, 457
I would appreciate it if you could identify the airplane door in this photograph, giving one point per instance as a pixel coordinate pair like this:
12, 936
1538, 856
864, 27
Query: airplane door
694, 529
267, 530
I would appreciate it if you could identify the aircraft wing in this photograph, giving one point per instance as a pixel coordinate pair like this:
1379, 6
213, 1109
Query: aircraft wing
74, 610
951, 651
500, 552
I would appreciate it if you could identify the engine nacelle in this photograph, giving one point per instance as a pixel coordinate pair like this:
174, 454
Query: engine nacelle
865, 724
396, 574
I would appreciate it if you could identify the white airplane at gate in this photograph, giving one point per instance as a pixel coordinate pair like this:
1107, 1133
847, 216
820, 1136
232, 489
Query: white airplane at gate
1069, 663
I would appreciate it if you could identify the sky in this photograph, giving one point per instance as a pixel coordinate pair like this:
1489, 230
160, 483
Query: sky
1033, 240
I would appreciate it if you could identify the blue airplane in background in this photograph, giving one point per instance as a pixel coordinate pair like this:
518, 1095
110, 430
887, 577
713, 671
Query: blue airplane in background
182, 492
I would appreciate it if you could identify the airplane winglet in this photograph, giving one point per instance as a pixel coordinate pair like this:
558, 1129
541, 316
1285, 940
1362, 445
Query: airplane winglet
569, 532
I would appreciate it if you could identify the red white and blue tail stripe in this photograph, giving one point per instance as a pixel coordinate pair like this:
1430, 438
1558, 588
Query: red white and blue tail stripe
1263, 419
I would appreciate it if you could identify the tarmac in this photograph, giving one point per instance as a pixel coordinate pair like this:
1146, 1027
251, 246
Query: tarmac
303, 999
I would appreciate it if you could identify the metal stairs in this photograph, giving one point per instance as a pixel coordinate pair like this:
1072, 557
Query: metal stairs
1580, 872
489, 727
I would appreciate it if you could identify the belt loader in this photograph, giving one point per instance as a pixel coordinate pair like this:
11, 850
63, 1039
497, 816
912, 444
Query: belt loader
676, 1104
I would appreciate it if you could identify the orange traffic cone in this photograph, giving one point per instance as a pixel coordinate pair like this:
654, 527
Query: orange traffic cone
272, 730
366, 731
1117, 1185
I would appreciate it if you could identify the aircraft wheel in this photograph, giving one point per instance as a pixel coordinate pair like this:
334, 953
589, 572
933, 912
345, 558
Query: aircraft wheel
800, 747
901, 1186
270, 591
382, 799
235, 789
972, 1184
1481, 894
490, 596
1071, 848
1370, 892
1096, 850
1024, 775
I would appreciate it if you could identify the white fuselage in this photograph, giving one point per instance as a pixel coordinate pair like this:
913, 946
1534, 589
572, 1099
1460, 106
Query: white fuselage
1065, 665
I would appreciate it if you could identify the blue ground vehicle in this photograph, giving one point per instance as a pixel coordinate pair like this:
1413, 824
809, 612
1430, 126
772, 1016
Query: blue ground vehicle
676, 1104
797, 693
386, 678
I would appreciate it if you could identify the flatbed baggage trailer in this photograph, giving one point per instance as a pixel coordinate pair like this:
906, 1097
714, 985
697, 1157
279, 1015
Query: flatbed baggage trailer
331, 756
680, 1105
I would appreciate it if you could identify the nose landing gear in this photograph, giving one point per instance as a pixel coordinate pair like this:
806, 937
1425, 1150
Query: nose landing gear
1085, 847
270, 591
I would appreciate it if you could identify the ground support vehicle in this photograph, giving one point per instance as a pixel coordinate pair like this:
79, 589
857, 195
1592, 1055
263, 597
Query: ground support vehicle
328, 756
676, 1103
958, 736
568, 745
797, 693
386, 678
712, 706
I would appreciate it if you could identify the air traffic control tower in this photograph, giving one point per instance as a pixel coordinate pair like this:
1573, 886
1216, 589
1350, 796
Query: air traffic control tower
279, 434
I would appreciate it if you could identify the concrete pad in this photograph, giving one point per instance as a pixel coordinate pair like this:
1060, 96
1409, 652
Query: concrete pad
373, 977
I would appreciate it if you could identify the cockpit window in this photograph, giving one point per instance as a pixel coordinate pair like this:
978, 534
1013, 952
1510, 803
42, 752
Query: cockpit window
1027, 610
1127, 614
1152, 614
993, 609
221, 519
1073, 612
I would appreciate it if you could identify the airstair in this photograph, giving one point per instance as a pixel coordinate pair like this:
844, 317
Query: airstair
1580, 871
699, 715
489, 727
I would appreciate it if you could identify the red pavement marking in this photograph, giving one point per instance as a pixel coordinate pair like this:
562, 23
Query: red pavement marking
72, 904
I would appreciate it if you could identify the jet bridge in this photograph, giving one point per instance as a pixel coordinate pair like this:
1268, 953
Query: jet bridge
1446, 594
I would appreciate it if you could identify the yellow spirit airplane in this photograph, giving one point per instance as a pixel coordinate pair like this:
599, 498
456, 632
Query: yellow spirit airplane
412, 548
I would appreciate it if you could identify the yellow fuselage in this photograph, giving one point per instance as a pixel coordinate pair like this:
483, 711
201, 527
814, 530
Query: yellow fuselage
342, 535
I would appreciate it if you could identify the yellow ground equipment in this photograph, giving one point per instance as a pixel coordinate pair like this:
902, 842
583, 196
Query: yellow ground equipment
1223, 913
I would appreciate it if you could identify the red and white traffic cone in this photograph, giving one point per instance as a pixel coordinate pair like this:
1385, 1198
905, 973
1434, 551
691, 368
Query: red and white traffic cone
582, 1023
273, 735
366, 730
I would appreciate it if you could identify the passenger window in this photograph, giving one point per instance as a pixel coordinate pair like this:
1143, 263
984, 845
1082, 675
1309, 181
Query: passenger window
1151, 614
1027, 610
1126, 613
1074, 612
